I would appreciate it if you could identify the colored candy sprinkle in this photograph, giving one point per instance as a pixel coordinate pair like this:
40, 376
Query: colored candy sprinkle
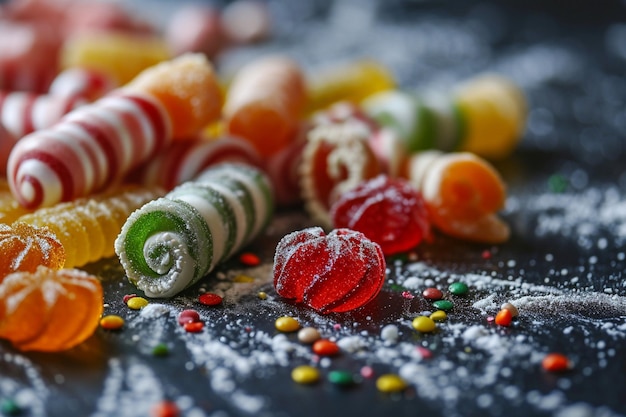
308, 335
249, 259
407, 295
286, 324
9, 407
165, 409
210, 299
244, 279
390, 383
439, 315
504, 318
432, 294
558, 183
111, 322
367, 372
188, 316
444, 305
137, 303
424, 352
160, 349
511, 308
262, 295
424, 324
486, 254
556, 362
458, 288
325, 347
341, 378
305, 374
194, 326
128, 297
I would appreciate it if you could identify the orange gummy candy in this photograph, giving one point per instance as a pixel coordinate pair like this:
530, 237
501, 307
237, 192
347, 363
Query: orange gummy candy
188, 89
265, 103
49, 310
462, 192
25, 247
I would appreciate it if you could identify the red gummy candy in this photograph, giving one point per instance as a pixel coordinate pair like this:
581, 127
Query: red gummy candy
388, 211
335, 273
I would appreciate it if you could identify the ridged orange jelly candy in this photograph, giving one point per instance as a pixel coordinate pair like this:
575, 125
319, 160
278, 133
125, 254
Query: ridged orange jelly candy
188, 89
25, 247
49, 310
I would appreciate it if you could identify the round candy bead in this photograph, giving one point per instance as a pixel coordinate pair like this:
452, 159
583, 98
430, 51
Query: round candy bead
286, 324
439, 315
504, 318
137, 303
188, 316
556, 362
193, 326
160, 349
458, 288
262, 295
8, 407
325, 347
111, 322
511, 308
424, 324
249, 259
390, 383
210, 299
432, 293
165, 409
444, 305
308, 335
305, 374
341, 378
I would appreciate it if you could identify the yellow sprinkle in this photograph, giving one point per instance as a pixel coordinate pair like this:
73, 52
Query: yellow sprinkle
111, 322
390, 383
287, 324
439, 315
424, 324
305, 374
262, 295
243, 278
137, 303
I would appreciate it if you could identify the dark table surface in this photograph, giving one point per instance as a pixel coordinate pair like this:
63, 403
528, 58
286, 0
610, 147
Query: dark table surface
563, 267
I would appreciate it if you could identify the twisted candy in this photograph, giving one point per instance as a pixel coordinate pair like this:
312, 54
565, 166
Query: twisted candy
92, 147
172, 242
87, 228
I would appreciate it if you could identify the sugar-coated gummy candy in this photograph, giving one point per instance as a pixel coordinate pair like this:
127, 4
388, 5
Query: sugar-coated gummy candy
353, 81
336, 158
265, 102
184, 160
88, 227
187, 87
463, 194
172, 242
25, 247
10, 209
91, 148
49, 310
283, 168
337, 272
120, 55
388, 211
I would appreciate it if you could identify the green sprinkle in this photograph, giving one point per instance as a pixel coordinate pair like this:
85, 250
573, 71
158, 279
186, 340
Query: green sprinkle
160, 349
341, 378
9, 407
396, 287
458, 288
444, 305
557, 183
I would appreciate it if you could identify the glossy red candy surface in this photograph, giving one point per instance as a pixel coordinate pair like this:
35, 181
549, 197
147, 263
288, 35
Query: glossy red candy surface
337, 272
388, 211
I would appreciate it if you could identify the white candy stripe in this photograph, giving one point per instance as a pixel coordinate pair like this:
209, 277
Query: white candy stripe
51, 183
240, 214
13, 113
174, 279
420, 166
260, 208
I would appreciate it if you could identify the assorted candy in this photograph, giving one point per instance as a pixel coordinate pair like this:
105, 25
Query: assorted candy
334, 272
172, 242
49, 310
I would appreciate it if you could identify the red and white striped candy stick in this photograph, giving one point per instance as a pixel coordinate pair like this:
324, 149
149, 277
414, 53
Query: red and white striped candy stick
23, 113
89, 149
82, 82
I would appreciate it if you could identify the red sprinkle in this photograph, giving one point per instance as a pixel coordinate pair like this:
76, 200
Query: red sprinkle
210, 299
556, 362
194, 326
165, 409
249, 259
432, 293
426, 353
407, 295
367, 372
490, 319
128, 297
188, 316
486, 254
504, 318
337, 326
325, 347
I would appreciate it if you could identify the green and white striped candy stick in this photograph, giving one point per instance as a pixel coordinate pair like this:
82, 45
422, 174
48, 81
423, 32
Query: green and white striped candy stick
171, 243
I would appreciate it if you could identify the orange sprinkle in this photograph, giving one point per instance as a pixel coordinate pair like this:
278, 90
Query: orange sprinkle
193, 326
243, 279
325, 347
504, 318
249, 259
556, 362
165, 409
